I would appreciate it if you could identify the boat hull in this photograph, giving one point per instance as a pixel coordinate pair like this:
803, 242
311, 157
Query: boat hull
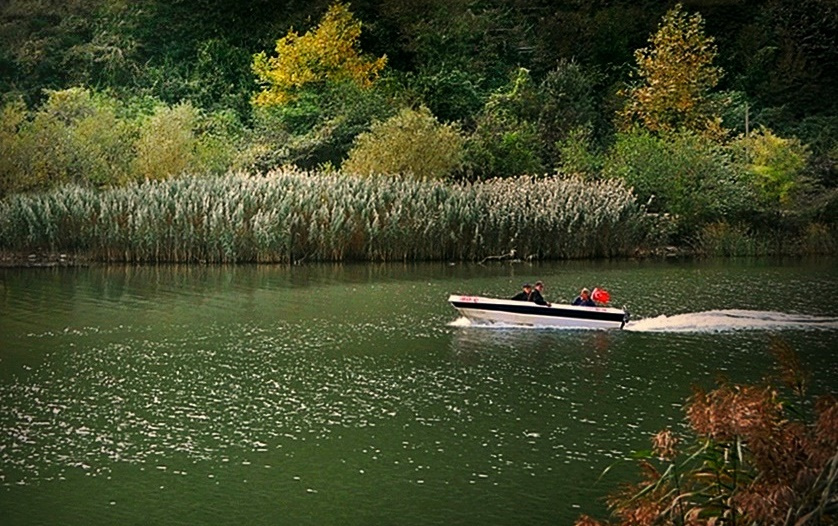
491, 310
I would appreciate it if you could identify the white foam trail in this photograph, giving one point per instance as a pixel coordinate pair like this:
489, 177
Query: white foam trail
461, 322
731, 320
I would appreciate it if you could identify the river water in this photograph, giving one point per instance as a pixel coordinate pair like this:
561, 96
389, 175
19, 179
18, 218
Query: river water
353, 394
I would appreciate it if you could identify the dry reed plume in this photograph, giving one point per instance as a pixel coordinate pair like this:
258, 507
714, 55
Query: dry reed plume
755, 461
289, 216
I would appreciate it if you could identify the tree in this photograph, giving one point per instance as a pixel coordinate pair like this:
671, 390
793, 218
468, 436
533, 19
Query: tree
776, 165
506, 141
412, 141
314, 129
683, 174
329, 53
676, 76
569, 103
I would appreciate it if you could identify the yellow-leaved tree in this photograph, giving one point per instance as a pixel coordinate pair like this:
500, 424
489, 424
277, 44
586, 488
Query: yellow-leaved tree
676, 77
327, 53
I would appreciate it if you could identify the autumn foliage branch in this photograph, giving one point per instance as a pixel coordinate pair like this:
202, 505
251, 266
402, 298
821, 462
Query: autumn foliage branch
755, 459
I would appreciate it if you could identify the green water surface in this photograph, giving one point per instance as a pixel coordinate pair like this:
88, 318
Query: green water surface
352, 394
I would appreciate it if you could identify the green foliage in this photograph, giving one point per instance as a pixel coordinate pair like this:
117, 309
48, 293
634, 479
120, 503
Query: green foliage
722, 239
787, 57
501, 147
328, 53
522, 126
505, 141
578, 154
315, 128
676, 76
13, 149
411, 142
171, 142
288, 216
568, 102
450, 94
776, 165
686, 175
89, 139
166, 144
480, 42
75, 136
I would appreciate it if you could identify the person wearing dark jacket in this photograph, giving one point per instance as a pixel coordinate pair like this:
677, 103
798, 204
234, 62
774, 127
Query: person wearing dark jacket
524, 295
584, 299
535, 295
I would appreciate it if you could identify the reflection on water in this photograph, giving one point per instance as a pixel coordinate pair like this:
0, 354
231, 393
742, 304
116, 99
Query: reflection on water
709, 321
306, 392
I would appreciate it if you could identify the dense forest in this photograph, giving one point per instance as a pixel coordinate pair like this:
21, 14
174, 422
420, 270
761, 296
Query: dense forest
718, 114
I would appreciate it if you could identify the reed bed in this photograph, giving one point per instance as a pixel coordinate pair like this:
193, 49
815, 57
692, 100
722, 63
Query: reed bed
290, 216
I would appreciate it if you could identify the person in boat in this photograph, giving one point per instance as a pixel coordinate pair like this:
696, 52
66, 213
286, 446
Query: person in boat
535, 294
524, 295
584, 299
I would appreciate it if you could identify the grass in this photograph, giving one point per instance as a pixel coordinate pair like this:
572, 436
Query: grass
290, 216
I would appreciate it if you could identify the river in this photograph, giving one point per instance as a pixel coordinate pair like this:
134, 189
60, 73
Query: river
353, 394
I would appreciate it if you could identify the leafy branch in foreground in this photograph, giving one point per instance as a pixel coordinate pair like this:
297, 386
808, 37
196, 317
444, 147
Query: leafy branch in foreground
755, 460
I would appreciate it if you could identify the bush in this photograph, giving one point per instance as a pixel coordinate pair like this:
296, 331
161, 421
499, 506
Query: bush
506, 139
502, 147
90, 139
412, 142
683, 174
775, 164
754, 459
316, 128
167, 142
568, 103
577, 154
75, 137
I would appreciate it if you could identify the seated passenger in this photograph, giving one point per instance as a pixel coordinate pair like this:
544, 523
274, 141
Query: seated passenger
536, 296
524, 295
584, 299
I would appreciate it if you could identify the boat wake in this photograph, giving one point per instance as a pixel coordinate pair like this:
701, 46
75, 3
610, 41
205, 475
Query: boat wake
708, 321
731, 320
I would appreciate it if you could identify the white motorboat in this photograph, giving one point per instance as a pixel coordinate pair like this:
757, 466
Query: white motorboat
491, 310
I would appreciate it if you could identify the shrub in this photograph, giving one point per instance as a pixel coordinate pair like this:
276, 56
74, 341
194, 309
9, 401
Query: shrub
166, 145
577, 154
89, 139
502, 147
568, 103
775, 164
411, 142
506, 139
755, 459
76, 136
317, 127
684, 174
724, 239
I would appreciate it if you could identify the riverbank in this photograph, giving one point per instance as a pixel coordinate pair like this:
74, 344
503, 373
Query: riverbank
30, 259
42, 259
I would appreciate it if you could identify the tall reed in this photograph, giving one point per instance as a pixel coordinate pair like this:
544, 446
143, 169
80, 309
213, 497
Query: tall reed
288, 216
